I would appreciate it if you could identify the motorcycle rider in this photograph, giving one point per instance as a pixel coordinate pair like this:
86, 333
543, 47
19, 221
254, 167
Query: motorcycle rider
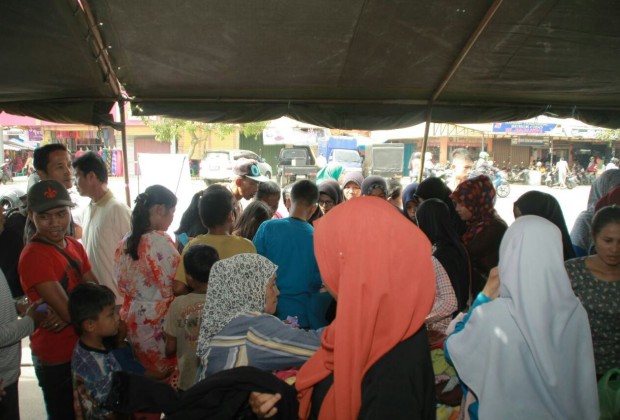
461, 166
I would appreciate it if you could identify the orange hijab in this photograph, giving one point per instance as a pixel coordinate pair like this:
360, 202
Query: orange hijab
378, 264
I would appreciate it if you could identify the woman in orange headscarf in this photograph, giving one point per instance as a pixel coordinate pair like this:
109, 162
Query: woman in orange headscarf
374, 359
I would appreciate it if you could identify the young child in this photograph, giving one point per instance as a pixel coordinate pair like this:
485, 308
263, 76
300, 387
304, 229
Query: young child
182, 323
216, 209
92, 310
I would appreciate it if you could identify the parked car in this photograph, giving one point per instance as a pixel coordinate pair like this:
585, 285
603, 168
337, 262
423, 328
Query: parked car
295, 163
386, 160
217, 165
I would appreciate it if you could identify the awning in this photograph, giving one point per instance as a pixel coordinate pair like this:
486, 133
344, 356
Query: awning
365, 64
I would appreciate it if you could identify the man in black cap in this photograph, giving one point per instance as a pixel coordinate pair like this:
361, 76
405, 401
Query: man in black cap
50, 266
245, 183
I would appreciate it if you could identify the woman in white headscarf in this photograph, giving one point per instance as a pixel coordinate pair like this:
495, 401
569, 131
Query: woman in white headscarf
238, 327
524, 349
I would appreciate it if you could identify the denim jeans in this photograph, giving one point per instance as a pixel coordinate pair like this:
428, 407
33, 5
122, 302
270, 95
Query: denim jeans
56, 383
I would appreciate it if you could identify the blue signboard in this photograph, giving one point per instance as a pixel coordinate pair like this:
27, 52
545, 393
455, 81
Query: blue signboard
523, 128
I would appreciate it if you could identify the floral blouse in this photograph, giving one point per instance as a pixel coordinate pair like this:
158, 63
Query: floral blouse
146, 285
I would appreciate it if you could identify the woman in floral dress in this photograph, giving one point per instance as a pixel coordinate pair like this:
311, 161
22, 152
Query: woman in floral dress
146, 262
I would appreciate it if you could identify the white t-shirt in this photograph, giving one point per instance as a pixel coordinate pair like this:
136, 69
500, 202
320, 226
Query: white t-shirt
104, 224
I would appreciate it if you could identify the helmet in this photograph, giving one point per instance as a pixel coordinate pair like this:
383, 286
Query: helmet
483, 155
12, 197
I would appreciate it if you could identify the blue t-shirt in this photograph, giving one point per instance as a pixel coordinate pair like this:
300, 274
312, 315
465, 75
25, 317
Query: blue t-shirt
92, 379
289, 244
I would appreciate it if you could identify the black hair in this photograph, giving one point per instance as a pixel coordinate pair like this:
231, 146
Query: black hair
41, 155
92, 162
462, 153
305, 192
254, 214
605, 216
190, 216
140, 217
86, 301
395, 188
267, 189
215, 205
198, 260
286, 193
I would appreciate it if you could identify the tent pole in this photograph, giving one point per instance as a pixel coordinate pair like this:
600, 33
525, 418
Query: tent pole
2, 143
429, 112
453, 68
121, 106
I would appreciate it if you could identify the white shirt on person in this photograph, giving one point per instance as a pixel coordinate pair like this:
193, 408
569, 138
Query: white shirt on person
104, 224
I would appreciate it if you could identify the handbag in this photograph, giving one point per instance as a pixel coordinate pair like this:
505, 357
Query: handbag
609, 394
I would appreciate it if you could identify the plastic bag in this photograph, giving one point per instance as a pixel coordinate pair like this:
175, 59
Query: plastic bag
609, 394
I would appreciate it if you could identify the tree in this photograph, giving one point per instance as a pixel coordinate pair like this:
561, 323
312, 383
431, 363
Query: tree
611, 136
171, 129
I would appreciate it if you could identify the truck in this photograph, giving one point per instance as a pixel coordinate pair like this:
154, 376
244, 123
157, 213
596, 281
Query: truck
297, 162
386, 160
342, 150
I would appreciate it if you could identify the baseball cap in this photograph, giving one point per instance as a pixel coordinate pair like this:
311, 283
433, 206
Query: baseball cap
47, 195
249, 168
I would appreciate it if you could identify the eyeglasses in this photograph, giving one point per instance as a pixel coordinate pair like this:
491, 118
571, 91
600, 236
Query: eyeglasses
326, 203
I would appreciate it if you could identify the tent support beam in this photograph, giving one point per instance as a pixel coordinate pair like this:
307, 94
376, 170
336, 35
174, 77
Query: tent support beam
453, 69
100, 50
121, 107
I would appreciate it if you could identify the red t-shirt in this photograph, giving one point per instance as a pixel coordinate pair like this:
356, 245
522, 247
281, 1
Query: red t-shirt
39, 263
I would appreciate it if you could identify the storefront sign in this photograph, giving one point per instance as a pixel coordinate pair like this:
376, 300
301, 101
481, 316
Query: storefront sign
523, 128
535, 142
35, 134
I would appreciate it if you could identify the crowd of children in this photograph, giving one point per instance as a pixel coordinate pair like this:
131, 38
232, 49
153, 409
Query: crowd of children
363, 296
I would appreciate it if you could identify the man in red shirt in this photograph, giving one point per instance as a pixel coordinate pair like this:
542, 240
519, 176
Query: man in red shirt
50, 266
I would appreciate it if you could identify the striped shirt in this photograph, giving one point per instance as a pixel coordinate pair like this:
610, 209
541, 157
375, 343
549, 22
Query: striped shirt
12, 330
261, 341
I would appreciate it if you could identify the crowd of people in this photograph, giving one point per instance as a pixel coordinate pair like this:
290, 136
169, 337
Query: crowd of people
354, 298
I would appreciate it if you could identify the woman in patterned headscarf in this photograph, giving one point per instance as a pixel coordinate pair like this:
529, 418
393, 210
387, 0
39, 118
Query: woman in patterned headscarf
474, 200
238, 328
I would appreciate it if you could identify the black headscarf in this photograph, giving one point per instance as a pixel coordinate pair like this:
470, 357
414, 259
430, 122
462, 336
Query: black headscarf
434, 220
541, 204
332, 189
436, 188
373, 182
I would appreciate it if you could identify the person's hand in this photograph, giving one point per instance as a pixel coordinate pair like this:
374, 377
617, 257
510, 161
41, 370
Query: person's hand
119, 338
21, 305
37, 316
263, 404
159, 375
53, 322
491, 288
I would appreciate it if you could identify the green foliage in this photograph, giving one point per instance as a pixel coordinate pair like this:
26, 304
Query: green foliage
169, 129
609, 134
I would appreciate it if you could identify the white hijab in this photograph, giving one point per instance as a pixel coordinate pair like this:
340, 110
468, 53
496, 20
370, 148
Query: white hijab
528, 353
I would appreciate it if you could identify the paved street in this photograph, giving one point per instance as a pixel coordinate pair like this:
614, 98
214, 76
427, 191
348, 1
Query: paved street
572, 201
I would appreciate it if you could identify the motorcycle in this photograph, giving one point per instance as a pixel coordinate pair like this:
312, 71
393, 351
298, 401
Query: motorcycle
5, 173
553, 180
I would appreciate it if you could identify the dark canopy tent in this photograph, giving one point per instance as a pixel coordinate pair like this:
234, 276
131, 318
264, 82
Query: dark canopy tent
364, 64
